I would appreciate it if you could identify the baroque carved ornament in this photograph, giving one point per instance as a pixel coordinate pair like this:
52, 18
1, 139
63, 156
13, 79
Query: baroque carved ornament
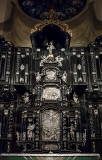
52, 20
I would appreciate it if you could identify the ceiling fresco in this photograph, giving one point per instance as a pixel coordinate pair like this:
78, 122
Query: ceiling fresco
65, 9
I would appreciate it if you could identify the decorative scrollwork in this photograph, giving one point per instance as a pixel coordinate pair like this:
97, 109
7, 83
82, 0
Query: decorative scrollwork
52, 20
50, 74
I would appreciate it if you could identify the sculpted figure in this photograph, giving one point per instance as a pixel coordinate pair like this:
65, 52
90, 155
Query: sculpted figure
30, 129
64, 76
38, 77
59, 60
50, 47
72, 132
26, 97
44, 59
75, 98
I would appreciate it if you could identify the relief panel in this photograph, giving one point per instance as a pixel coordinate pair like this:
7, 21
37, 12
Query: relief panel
51, 125
51, 93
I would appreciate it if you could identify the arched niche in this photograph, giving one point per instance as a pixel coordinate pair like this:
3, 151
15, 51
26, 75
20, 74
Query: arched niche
50, 32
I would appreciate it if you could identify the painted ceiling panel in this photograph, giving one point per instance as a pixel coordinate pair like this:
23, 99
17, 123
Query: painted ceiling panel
65, 9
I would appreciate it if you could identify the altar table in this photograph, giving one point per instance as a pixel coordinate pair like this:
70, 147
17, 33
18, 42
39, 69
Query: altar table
49, 156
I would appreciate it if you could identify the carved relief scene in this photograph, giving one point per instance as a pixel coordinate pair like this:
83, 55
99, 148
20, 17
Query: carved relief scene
50, 126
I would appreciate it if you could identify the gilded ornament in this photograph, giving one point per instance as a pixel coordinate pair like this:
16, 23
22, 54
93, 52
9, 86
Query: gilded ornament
52, 20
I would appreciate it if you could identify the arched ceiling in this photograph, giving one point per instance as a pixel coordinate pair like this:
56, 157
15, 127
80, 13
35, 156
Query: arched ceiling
70, 8
65, 9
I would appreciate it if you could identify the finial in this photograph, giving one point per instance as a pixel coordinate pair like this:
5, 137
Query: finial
52, 14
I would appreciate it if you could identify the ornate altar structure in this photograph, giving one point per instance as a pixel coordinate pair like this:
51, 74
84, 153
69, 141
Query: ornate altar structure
51, 94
